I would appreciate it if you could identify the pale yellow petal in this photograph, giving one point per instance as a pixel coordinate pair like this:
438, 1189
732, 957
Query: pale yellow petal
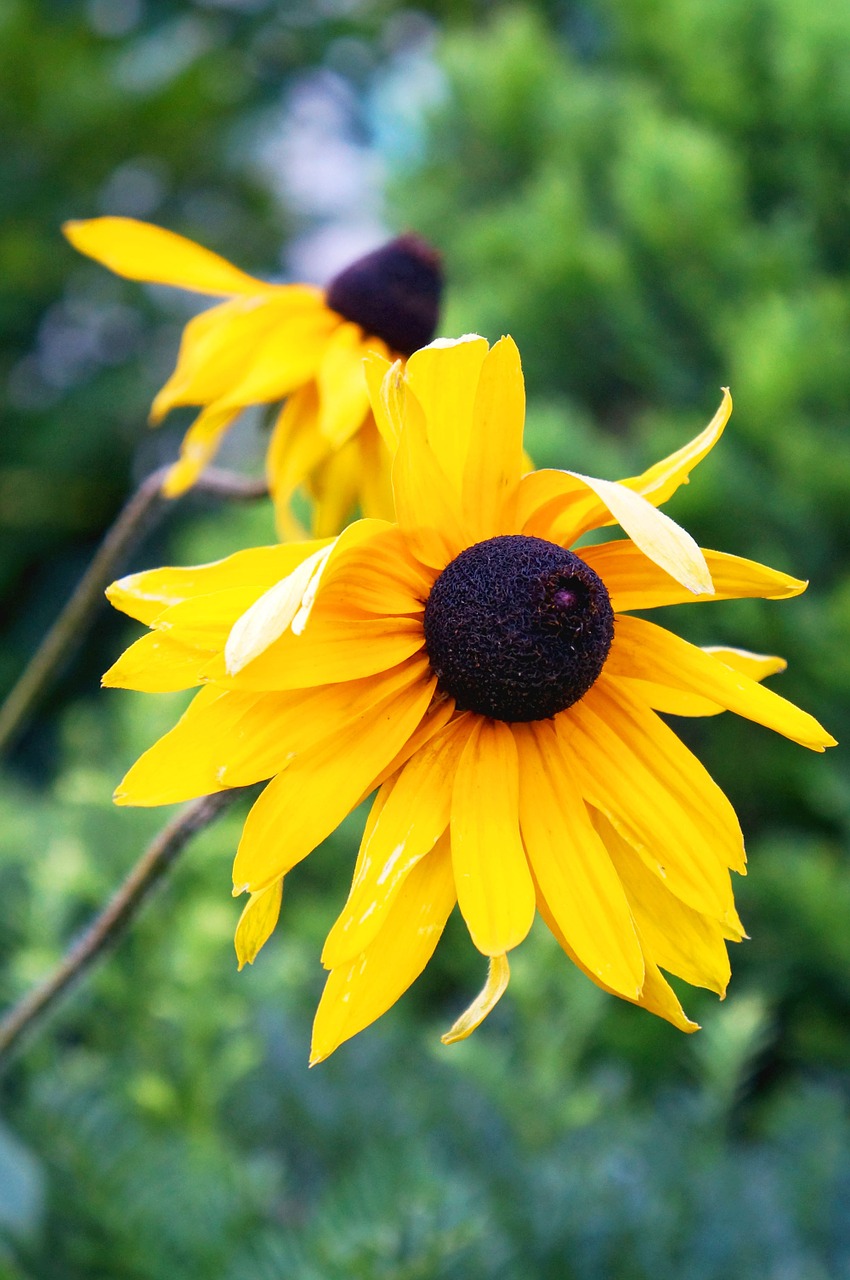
257, 923
646, 652
495, 458
141, 251
571, 865
305, 803
358, 993
498, 977
634, 581
145, 595
444, 378
494, 888
414, 814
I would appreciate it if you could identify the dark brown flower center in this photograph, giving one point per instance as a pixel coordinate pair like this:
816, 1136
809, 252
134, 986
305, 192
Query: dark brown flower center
517, 628
393, 293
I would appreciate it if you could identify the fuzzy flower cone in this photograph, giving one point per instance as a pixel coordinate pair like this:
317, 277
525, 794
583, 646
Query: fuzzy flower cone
491, 686
273, 342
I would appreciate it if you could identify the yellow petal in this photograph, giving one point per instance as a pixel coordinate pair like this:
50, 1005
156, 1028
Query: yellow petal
204, 622
305, 803
286, 359
376, 491
658, 537
661, 481
657, 795
185, 763
498, 976
144, 596
656, 996
335, 489
384, 393
272, 614
358, 993
674, 702
494, 888
156, 664
295, 450
572, 866
414, 814
635, 582
341, 379
444, 378
144, 252
257, 923
197, 449
426, 502
679, 939
646, 652
553, 500
495, 457
218, 345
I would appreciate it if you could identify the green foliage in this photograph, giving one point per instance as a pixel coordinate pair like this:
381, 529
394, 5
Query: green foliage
651, 196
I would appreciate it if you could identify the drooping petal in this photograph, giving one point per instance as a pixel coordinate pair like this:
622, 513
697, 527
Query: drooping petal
656, 996
156, 664
674, 702
386, 386
218, 345
296, 449
141, 251
341, 380
286, 359
572, 866
498, 977
305, 803
144, 596
495, 457
357, 993
494, 888
444, 378
197, 449
414, 815
257, 923
636, 582
644, 651
679, 939
635, 770
559, 502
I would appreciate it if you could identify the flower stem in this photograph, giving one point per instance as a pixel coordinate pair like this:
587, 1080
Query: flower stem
106, 929
68, 631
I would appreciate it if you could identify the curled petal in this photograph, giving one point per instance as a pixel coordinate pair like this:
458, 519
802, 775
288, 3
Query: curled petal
498, 977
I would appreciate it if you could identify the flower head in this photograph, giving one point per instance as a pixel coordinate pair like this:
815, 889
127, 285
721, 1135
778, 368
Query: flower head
273, 342
491, 685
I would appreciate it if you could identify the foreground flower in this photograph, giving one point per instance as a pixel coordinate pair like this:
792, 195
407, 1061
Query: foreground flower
268, 342
491, 685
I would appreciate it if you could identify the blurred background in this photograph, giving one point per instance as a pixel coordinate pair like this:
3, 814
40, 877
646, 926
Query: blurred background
653, 197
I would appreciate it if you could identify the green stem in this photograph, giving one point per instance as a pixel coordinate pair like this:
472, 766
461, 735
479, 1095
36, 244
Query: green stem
69, 629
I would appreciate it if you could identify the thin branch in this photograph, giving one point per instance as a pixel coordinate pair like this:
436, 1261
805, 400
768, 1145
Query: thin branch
107, 928
69, 629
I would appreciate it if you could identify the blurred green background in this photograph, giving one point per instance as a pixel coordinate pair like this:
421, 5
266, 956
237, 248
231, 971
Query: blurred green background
653, 196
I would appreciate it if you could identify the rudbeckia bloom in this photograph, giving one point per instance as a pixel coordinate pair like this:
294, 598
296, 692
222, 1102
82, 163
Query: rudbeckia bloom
493, 688
273, 342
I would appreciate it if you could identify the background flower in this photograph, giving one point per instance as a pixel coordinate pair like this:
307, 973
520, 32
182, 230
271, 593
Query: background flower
272, 342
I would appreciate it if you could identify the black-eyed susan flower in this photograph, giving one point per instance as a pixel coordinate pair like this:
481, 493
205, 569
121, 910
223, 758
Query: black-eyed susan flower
493, 688
281, 342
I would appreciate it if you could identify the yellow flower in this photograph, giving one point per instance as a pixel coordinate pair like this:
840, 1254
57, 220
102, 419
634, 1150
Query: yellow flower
494, 689
270, 342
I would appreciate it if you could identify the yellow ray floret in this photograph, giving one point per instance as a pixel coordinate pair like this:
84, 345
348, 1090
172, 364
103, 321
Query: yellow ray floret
385, 661
267, 343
